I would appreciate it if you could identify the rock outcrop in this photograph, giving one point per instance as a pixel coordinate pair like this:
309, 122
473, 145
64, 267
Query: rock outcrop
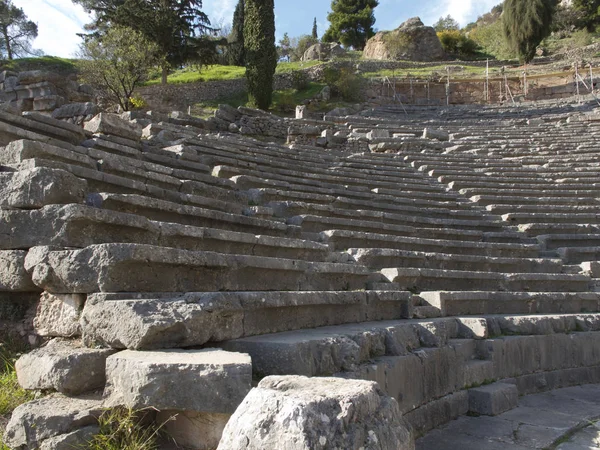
323, 52
411, 41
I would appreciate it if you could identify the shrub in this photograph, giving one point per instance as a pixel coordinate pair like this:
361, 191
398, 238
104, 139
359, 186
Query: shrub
299, 80
344, 83
456, 43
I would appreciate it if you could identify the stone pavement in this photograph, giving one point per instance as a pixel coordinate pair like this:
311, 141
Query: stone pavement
562, 419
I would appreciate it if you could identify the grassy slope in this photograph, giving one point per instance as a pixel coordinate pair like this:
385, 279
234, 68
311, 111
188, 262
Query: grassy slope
11, 394
50, 63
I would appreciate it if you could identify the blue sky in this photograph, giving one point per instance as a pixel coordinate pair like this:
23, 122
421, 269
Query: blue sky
59, 20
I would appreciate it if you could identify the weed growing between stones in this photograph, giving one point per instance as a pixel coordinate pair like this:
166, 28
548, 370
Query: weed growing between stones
11, 394
127, 429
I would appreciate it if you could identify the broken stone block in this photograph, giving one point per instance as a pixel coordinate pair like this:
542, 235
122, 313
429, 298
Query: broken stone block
439, 135
13, 277
38, 420
378, 134
493, 399
63, 366
58, 315
38, 187
209, 380
73, 440
316, 413
190, 429
112, 124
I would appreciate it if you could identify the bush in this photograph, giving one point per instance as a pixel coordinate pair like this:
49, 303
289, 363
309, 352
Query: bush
299, 80
490, 38
456, 43
344, 83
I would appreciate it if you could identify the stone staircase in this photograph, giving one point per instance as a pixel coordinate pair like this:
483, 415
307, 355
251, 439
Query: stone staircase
175, 274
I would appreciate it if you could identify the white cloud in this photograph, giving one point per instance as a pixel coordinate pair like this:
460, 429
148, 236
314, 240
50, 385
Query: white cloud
58, 21
465, 11
219, 11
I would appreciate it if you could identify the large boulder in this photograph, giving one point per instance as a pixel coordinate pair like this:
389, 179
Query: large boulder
299, 413
411, 41
323, 52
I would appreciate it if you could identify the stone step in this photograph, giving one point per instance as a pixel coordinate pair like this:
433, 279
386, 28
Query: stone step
147, 268
155, 320
541, 208
494, 190
554, 241
81, 226
166, 211
329, 350
421, 279
345, 239
486, 302
575, 255
498, 201
22, 127
540, 229
288, 209
574, 217
379, 258
316, 224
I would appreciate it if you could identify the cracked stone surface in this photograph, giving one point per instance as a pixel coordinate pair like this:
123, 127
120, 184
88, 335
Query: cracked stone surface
563, 419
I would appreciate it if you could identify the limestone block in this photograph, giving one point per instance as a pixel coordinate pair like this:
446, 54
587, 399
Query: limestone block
48, 103
316, 413
378, 134
209, 380
75, 110
493, 399
439, 135
58, 315
63, 366
302, 112
13, 276
112, 124
35, 188
38, 420
75, 439
190, 429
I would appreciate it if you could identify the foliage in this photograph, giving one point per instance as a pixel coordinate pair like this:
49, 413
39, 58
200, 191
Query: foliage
284, 48
351, 22
446, 23
589, 11
16, 31
526, 24
344, 83
396, 42
490, 38
123, 429
299, 45
117, 63
300, 80
236, 38
315, 32
456, 43
175, 26
261, 55
49, 63
566, 20
11, 394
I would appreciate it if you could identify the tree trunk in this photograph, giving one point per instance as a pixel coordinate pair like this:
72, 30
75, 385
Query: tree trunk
7, 42
165, 72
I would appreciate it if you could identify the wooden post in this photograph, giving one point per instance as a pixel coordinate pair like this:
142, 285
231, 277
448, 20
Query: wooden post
577, 81
448, 87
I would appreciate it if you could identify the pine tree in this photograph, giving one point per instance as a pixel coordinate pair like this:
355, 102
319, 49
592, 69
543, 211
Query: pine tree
526, 23
315, 33
236, 38
261, 54
16, 31
351, 22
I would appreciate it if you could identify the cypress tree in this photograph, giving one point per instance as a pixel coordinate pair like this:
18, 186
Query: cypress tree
315, 33
526, 23
261, 54
236, 38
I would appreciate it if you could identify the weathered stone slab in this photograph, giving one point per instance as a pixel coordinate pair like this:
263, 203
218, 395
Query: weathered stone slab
58, 315
38, 420
75, 439
63, 366
134, 268
13, 277
39, 187
208, 380
112, 124
326, 412
155, 321
493, 399
191, 429
23, 149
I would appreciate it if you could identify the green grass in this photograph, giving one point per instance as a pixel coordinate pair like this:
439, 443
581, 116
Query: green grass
50, 63
220, 73
11, 394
